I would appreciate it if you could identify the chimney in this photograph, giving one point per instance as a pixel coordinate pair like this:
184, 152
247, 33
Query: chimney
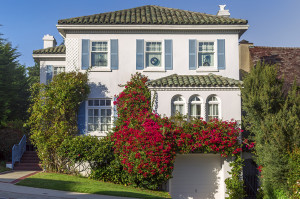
49, 41
222, 12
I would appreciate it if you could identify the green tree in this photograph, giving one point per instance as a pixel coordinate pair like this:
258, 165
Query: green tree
13, 85
273, 120
33, 73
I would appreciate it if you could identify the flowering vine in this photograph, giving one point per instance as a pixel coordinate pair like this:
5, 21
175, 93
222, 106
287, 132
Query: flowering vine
147, 144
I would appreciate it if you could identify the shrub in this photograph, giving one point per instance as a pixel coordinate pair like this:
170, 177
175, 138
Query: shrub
53, 114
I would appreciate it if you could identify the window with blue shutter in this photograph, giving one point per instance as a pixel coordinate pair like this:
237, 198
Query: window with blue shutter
169, 54
85, 54
139, 54
49, 73
114, 57
192, 54
81, 118
221, 54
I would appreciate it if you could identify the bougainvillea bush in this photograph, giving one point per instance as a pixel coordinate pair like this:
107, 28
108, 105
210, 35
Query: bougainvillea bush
146, 143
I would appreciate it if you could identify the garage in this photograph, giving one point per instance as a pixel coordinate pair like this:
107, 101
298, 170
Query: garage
197, 176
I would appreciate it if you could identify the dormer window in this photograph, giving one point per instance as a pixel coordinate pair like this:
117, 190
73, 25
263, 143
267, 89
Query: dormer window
99, 54
206, 54
153, 53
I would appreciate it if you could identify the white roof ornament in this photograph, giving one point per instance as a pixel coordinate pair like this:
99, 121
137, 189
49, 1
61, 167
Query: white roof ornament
222, 12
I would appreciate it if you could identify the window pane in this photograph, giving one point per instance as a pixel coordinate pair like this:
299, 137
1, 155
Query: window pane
99, 46
90, 127
103, 120
102, 112
96, 127
108, 112
90, 120
102, 102
99, 59
153, 59
96, 112
206, 59
90, 112
96, 120
108, 102
108, 120
153, 46
193, 109
198, 109
90, 102
96, 102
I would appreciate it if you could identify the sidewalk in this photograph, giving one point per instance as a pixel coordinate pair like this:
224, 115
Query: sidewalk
15, 176
14, 191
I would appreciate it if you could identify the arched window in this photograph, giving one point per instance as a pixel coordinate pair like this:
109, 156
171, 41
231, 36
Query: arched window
213, 108
178, 105
195, 107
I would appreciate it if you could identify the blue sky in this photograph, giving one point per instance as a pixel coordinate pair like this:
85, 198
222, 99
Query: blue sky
24, 23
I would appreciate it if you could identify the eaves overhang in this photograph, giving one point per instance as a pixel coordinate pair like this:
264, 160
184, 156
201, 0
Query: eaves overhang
64, 29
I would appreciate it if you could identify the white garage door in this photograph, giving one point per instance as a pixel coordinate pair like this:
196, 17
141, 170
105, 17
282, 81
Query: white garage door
197, 176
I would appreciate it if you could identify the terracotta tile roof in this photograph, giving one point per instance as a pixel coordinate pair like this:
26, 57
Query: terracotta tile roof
53, 50
152, 15
287, 59
210, 80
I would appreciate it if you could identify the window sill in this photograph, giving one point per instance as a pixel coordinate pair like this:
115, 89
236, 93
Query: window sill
97, 133
207, 69
154, 69
99, 69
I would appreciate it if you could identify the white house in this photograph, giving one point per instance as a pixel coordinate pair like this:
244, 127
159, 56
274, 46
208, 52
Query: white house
191, 58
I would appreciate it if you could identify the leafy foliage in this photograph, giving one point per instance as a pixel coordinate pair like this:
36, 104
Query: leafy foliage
273, 119
13, 85
234, 185
54, 114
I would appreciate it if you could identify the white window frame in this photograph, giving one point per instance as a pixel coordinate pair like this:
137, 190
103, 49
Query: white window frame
100, 68
99, 132
196, 103
174, 103
218, 102
162, 63
213, 68
58, 66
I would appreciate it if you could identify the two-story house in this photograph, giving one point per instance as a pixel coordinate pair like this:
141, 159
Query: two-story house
191, 59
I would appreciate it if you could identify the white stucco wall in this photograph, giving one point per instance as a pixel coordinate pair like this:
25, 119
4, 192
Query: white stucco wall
230, 101
127, 58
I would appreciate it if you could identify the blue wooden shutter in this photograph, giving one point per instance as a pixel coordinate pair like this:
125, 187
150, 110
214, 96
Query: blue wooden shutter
192, 54
81, 118
85, 54
221, 54
169, 54
49, 73
114, 57
139, 54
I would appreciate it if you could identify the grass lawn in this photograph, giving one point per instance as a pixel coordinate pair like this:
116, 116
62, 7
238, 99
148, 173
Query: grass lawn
84, 185
3, 167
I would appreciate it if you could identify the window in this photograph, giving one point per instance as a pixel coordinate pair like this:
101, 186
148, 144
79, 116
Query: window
213, 108
206, 54
153, 54
58, 69
178, 105
195, 107
99, 115
99, 54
